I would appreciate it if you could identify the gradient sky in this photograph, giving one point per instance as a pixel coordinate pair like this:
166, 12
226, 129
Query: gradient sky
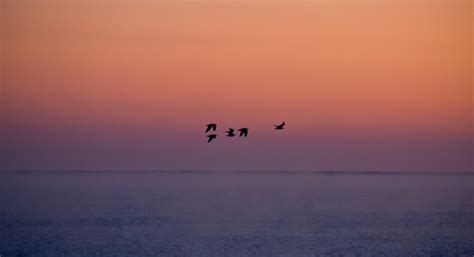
362, 85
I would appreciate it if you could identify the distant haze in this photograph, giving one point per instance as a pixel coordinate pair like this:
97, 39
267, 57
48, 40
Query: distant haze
362, 85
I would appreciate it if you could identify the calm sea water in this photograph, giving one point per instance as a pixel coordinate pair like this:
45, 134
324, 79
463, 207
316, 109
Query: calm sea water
235, 214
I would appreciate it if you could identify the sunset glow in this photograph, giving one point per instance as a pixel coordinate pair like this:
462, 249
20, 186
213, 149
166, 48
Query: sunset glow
362, 85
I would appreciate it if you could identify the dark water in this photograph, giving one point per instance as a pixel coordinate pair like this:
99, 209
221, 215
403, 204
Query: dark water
235, 214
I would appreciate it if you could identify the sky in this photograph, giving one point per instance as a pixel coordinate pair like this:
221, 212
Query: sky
130, 85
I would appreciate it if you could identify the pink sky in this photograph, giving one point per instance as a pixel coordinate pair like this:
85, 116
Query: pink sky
362, 85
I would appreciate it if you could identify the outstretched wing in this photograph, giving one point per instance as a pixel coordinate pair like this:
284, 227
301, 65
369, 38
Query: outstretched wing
211, 137
210, 126
281, 125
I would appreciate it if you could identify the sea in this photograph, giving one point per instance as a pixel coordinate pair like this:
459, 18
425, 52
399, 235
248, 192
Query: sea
236, 214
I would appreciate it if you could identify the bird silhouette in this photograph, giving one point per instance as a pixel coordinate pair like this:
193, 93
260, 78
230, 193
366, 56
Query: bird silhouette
211, 137
280, 127
230, 132
243, 132
210, 126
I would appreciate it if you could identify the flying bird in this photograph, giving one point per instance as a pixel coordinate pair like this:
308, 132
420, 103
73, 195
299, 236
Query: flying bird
280, 127
230, 132
210, 126
211, 137
243, 132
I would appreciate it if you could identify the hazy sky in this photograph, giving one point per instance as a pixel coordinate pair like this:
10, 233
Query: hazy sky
362, 84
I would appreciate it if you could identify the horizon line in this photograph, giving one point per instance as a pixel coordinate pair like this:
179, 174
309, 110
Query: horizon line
322, 172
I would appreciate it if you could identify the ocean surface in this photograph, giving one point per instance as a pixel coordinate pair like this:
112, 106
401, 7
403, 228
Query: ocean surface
235, 214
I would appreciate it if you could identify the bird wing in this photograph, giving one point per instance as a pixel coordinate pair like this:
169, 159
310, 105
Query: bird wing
210, 138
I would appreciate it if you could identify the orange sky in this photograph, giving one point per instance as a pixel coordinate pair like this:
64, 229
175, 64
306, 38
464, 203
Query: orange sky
374, 78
